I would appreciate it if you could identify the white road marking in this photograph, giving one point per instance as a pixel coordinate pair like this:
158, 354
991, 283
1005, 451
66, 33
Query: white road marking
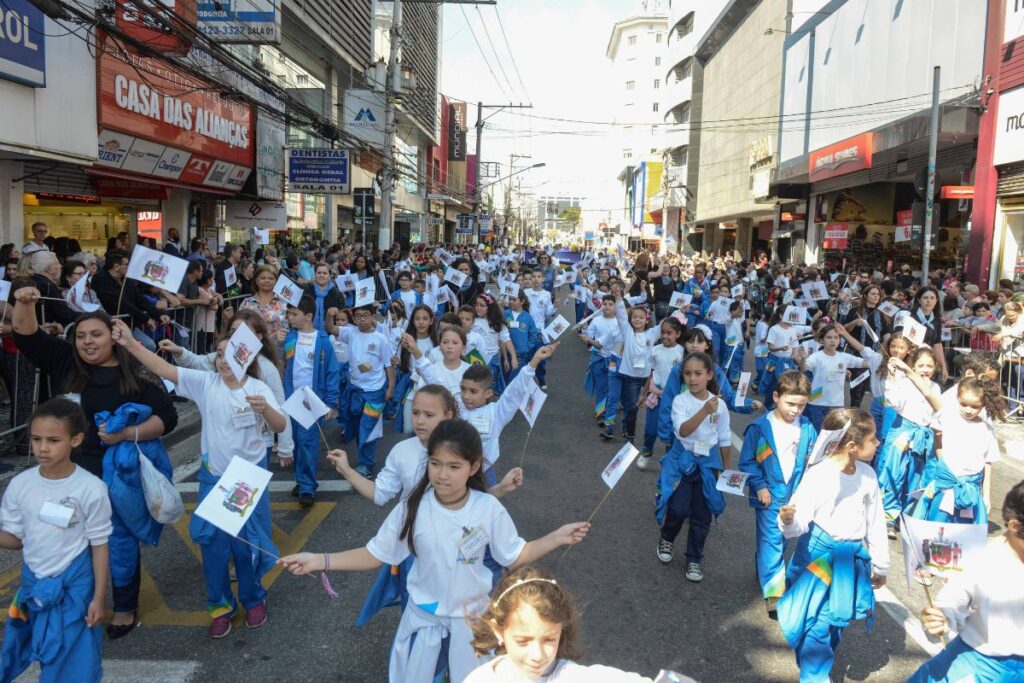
129, 671
329, 486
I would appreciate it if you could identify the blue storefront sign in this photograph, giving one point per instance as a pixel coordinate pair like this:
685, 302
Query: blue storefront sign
22, 43
324, 171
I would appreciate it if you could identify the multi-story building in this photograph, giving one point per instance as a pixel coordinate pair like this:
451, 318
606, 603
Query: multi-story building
636, 82
741, 56
550, 212
688, 21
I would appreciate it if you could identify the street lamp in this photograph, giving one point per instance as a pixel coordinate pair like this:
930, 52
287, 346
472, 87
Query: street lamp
512, 175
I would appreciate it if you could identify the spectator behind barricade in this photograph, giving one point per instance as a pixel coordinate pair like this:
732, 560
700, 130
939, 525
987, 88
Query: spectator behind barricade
173, 244
266, 303
73, 272
119, 295
118, 242
245, 274
192, 299
306, 266
86, 258
44, 269
197, 251
38, 243
1011, 344
951, 310
981, 325
290, 268
205, 320
232, 256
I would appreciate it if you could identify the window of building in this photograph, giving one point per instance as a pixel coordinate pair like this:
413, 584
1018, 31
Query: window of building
657, 83
684, 70
657, 61
301, 79
630, 85
631, 40
679, 155
681, 114
655, 106
657, 37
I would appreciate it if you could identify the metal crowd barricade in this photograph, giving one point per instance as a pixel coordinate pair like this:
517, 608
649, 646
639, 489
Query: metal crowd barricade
1012, 376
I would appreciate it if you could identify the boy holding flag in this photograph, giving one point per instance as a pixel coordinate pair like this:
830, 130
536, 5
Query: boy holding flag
309, 360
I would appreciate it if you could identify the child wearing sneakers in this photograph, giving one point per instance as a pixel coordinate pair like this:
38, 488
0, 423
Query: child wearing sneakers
371, 383
667, 356
309, 361
638, 339
774, 453
542, 308
602, 336
689, 471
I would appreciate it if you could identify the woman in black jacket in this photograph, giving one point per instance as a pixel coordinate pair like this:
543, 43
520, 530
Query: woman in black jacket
104, 377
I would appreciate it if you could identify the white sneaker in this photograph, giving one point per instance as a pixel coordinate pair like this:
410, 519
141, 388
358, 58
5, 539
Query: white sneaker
665, 551
641, 461
694, 572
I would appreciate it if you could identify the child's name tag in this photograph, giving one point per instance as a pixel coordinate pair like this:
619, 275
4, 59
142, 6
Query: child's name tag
701, 448
471, 547
56, 513
513, 324
481, 423
243, 419
836, 376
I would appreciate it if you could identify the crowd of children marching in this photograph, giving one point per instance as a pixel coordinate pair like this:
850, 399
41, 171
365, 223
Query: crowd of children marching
450, 356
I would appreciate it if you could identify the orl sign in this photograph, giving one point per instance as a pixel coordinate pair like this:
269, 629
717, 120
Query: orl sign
151, 99
841, 158
22, 43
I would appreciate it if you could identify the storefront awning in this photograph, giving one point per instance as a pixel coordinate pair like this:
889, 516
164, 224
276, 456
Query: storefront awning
104, 173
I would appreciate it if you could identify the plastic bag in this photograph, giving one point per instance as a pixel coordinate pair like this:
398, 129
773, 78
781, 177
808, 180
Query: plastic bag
162, 499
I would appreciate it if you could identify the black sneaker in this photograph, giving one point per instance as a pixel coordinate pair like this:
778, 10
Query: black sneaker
664, 551
295, 491
628, 437
694, 572
306, 500
608, 433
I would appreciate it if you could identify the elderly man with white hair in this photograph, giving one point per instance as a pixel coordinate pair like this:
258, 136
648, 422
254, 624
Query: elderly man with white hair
44, 269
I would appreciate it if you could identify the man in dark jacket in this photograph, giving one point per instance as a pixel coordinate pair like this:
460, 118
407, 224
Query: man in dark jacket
173, 244
119, 295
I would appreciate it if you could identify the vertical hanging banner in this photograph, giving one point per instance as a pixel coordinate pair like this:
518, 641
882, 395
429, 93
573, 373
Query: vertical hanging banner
457, 131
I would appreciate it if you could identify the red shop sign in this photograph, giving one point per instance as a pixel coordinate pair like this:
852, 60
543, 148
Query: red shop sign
841, 158
151, 99
836, 235
130, 189
160, 27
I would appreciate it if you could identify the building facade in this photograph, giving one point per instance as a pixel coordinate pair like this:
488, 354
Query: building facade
636, 54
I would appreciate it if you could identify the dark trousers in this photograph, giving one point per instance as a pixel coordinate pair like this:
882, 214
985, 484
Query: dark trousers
126, 598
688, 502
631, 387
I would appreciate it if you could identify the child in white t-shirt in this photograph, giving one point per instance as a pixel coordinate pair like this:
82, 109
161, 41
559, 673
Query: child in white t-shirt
828, 367
447, 523
234, 415
58, 516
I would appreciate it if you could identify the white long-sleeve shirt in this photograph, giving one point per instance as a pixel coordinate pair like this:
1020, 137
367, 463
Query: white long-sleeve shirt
637, 360
847, 506
490, 419
985, 604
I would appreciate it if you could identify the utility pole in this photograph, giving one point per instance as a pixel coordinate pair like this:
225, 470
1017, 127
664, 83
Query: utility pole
929, 201
480, 106
389, 175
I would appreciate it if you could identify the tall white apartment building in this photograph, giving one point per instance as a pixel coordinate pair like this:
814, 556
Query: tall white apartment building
636, 50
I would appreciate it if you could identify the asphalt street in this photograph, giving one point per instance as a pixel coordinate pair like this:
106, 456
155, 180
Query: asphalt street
638, 614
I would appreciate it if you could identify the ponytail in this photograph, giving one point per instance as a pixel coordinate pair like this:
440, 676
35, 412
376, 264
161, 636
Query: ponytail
990, 392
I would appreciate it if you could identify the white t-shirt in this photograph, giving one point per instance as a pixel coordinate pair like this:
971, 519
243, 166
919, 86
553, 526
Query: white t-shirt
409, 299
787, 441
402, 471
502, 670
541, 306
230, 427
829, 383
734, 332
966, 446
707, 435
490, 340
718, 311
302, 363
847, 506
984, 604
636, 346
370, 348
908, 401
438, 373
875, 361
786, 336
666, 359
449, 570
606, 331
491, 418
47, 547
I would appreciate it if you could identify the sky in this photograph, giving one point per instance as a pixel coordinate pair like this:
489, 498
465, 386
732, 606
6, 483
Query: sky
559, 49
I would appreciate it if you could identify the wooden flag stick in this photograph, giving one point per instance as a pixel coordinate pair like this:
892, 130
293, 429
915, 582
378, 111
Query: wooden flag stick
321, 429
522, 455
928, 596
124, 281
589, 519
